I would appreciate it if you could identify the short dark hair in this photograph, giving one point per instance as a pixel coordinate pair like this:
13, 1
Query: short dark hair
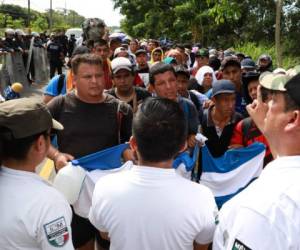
290, 104
85, 58
100, 42
159, 128
11, 148
159, 68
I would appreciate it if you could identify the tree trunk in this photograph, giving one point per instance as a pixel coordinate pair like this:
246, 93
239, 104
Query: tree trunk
277, 33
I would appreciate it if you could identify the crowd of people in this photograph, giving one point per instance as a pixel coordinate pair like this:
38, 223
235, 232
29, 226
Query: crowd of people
157, 97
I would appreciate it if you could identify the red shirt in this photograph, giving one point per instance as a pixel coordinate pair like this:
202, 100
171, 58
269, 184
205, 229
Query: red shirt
245, 133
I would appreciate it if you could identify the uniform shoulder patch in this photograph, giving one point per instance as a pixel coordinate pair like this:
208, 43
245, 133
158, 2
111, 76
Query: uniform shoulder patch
57, 232
238, 245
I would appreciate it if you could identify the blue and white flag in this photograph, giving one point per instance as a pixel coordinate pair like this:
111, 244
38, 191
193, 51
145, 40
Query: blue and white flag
229, 174
106, 159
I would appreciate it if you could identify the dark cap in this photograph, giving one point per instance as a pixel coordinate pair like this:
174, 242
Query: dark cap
223, 87
250, 76
248, 63
180, 69
140, 51
202, 53
230, 61
25, 117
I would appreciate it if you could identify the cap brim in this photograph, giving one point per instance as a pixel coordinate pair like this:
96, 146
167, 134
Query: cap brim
224, 92
121, 67
56, 125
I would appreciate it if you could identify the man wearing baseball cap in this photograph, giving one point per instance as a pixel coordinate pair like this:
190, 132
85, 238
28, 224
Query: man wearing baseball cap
231, 70
33, 214
266, 215
220, 119
201, 59
123, 78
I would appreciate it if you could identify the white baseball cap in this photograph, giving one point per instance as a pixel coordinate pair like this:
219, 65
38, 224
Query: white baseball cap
120, 63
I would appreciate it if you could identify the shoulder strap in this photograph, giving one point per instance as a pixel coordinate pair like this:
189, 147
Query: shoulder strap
246, 125
195, 100
121, 111
60, 83
186, 109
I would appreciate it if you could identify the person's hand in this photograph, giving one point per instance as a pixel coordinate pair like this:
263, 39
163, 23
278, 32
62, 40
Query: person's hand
129, 155
61, 159
207, 104
258, 110
191, 141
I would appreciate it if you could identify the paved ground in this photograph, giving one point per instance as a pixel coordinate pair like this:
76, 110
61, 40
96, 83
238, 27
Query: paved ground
34, 90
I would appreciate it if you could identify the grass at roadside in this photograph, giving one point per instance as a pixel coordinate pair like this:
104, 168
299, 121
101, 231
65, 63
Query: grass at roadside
255, 51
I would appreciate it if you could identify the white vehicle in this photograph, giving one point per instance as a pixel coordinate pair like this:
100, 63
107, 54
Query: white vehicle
76, 31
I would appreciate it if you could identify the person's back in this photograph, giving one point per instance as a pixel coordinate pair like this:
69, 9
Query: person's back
159, 210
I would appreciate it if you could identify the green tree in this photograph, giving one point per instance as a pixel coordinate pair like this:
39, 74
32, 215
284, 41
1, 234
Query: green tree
40, 24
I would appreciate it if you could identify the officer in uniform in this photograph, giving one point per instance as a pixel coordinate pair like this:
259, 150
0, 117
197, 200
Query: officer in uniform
33, 214
56, 55
266, 215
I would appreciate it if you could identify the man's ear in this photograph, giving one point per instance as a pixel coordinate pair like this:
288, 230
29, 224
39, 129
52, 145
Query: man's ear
132, 143
293, 121
39, 144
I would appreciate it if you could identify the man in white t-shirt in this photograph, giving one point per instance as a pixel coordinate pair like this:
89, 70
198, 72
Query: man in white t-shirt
149, 206
33, 214
266, 215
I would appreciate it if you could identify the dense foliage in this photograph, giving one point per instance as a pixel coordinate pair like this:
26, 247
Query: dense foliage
14, 16
212, 22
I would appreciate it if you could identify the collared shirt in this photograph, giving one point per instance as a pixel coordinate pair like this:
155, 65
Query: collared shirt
34, 215
266, 215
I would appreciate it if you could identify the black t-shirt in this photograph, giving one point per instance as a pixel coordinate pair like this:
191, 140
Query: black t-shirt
89, 128
141, 94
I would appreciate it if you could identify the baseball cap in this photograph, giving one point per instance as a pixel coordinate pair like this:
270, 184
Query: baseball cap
250, 76
202, 52
120, 63
180, 69
119, 50
140, 51
222, 86
25, 117
229, 52
230, 61
273, 81
248, 63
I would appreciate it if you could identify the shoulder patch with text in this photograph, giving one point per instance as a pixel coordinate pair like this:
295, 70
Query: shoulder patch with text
238, 245
57, 232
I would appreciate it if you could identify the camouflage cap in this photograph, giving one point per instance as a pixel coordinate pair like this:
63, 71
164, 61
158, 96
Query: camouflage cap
273, 81
278, 81
25, 117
